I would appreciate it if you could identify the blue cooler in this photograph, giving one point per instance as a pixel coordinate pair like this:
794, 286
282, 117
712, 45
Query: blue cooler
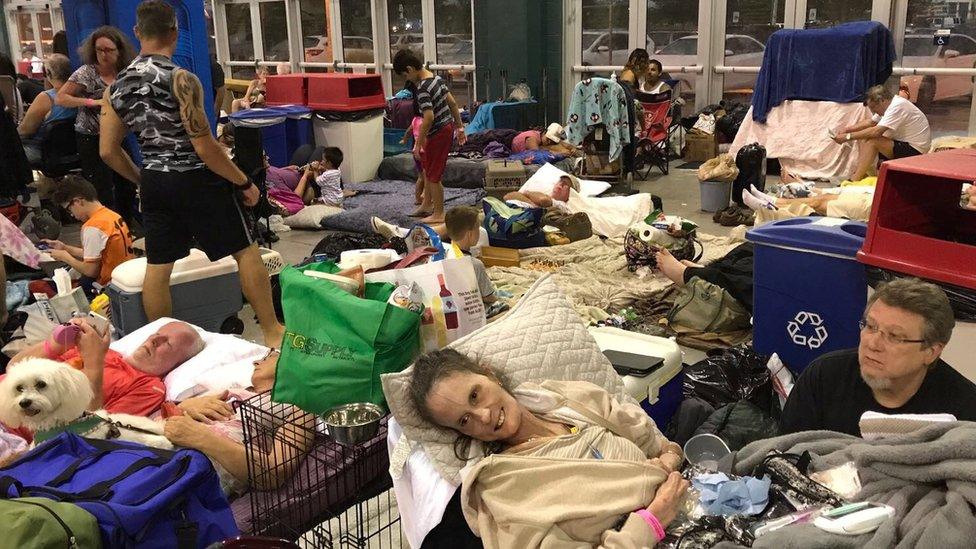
298, 126
809, 289
660, 392
271, 124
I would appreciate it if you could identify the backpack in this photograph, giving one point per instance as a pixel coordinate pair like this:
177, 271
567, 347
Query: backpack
707, 307
41, 523
512, 226
141, 497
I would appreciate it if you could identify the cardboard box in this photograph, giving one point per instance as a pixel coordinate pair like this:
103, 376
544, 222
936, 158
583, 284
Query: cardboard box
499, 257
700, 147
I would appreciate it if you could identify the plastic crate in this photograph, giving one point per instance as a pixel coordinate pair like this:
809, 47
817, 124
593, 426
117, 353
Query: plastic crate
286, 89
272, 261
345, 92
917, 225
504, 175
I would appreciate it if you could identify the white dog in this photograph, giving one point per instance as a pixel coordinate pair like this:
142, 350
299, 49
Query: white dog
43, 394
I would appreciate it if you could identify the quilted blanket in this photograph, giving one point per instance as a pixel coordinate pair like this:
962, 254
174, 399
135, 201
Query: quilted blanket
593, 273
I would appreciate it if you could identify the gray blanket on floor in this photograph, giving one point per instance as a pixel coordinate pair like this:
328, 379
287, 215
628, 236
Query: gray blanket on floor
928, 476
391, 201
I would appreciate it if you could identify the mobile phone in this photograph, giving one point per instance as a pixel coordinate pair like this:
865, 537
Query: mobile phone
43, 247
99, 322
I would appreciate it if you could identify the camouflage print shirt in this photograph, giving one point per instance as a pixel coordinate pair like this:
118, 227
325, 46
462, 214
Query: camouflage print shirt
143, 97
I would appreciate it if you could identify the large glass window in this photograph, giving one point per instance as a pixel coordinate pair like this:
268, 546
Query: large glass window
605, 32
406, 24
25, 34
827, 13
47, 33
672, 39
274, 31
945, 99
316, 31
357, 31
453, 25
748, 24
240, 39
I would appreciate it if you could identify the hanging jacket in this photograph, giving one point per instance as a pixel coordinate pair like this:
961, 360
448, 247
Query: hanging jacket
599, 101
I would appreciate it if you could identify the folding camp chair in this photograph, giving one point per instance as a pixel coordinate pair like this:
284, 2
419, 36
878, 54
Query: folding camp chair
652, 149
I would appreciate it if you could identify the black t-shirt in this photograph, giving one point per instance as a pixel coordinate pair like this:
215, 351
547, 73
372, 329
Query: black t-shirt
830, 395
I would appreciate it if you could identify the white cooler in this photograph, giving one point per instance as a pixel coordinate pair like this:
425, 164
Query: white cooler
361, 143
206, 294
660, 392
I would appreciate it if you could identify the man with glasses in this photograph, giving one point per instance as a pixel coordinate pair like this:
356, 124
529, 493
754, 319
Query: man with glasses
895, 369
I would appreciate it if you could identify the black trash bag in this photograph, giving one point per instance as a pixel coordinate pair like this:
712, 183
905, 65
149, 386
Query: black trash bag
740, 423
751, 161
332, 246
730, 375
691, 414
962, 300
729, 124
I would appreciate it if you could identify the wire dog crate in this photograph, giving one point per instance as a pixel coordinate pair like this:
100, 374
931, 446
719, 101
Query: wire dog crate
308, 488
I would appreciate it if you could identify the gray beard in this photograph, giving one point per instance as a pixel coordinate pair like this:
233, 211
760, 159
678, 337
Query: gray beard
876, 383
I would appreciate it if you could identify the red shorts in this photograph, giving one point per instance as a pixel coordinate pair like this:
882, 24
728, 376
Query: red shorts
434, 156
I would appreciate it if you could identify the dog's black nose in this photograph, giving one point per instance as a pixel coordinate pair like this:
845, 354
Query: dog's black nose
26, 403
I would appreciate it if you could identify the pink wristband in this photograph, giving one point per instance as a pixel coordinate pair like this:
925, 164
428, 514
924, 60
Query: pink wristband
652, 521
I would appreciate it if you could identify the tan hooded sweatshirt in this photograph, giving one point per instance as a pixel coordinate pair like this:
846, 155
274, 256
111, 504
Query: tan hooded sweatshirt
532, 496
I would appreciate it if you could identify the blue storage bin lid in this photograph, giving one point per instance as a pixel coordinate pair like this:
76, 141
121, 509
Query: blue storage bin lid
827, 235
258, 118
293, 111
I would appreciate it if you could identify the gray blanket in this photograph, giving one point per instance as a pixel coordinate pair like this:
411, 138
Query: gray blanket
928, 476
461, 173
391, 201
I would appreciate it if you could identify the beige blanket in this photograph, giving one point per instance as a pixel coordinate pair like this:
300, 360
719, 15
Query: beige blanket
796, 134
593, 273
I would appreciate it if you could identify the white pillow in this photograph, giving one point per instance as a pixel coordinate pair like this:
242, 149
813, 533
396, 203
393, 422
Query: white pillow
310, 217
546, 176
226, 362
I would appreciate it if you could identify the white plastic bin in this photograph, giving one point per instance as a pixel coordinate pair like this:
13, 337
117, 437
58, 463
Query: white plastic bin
361, 143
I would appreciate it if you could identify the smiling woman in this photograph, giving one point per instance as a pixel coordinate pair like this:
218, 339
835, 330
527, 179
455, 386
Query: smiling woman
546, 440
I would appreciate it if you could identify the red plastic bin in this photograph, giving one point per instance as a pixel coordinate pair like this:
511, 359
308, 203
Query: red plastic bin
917, 225
286, 89
345, 92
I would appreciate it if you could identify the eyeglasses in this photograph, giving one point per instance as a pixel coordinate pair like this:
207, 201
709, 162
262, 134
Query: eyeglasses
271, 351
888, 338
106, 51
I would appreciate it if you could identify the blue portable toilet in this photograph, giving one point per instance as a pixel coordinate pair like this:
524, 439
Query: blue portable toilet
84, 16
809, 291
271, 123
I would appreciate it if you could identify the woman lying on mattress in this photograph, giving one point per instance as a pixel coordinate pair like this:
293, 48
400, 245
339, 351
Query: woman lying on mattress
210, 425
568, 465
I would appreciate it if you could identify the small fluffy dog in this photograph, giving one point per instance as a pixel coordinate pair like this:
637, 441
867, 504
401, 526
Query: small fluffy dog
43, 394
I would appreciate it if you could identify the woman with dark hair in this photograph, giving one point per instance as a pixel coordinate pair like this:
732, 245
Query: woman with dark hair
60, 43
7, 68
104, 54
636, 68
544, 442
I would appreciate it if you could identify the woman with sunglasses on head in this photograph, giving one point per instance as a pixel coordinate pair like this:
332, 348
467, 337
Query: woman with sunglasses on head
104, 54
212, 425
44, 111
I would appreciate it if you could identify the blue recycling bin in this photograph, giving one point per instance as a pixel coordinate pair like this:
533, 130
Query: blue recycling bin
298, 126
271, 124
809, 290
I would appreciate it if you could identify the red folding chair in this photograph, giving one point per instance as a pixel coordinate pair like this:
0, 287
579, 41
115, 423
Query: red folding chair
652, 140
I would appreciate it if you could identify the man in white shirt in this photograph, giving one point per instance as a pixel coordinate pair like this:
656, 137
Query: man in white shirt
897, 129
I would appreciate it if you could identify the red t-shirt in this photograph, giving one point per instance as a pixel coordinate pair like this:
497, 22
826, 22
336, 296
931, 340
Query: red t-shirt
126, 390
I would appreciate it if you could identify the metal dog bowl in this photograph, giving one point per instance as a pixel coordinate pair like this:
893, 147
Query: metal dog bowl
351, 424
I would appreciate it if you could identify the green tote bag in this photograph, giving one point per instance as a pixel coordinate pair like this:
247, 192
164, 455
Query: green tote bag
337, 345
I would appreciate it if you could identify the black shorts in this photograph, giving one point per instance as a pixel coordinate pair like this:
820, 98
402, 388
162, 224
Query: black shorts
901, 149
183, 208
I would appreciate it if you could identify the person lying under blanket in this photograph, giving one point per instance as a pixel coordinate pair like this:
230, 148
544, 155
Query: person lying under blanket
210, 424
545, 443
895, 369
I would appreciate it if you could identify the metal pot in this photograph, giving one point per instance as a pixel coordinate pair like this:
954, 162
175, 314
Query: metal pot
352, 424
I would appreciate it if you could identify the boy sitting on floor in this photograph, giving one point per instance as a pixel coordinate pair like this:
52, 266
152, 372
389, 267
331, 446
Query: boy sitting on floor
105, 238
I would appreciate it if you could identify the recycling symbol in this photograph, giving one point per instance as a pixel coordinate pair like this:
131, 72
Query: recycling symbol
801, 336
